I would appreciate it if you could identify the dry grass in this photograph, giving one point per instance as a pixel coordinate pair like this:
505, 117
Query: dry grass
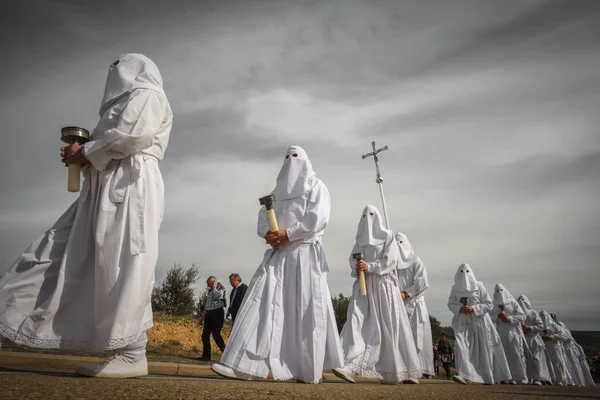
180, 337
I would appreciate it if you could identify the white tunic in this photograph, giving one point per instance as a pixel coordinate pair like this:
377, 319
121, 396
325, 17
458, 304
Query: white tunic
286, 321
511, 333
537, 368
86, 283
413, 281
478, 349
376, 337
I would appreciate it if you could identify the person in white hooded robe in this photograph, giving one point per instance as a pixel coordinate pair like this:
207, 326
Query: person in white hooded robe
533, 327
574, 356
86, 283
508, 317
376, 337
554, 336
479, 355
286, 322
413, 283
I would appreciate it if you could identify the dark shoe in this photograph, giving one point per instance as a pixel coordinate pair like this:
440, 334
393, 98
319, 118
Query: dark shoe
205, 358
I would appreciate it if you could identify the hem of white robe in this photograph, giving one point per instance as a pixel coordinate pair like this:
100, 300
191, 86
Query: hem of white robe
385, 375
38, 343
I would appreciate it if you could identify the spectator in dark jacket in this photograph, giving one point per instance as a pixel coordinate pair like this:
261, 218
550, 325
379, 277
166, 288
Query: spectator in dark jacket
446, 353
237, 295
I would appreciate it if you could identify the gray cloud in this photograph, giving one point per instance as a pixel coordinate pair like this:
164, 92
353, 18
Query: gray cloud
489, 110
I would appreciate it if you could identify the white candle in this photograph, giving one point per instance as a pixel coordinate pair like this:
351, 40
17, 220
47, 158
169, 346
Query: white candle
73, 184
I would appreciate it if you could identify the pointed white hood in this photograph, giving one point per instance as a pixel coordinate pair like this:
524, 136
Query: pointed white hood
464, 281
502, 296
371, 230
128, 73
296, 176
407, 254
549, 325
524, 303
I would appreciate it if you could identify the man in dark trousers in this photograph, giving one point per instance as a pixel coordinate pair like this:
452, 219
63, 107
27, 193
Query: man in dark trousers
237, 295
446, 354
212, 317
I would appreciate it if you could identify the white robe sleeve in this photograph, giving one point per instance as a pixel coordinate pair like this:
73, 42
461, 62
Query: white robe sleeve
316, 217
560, 334
486, 304
518, 314
538, 324
139, 122
420, 282
388, 261
352, 261
263, 224
454, 304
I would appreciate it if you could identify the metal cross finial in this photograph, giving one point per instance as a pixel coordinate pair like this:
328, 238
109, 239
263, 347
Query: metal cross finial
374, 154
379, 181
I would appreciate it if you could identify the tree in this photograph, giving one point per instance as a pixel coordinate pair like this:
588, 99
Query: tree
340, 309
175, 294
436, 328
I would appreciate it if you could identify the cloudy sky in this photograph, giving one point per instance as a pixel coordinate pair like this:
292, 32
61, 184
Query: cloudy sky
490, 110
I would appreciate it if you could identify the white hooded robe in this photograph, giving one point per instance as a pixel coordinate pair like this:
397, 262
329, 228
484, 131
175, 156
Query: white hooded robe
86, 283
376, 338
479, 355
412, 277
286, 321
555, 350
511, 332
574, 356
537, 367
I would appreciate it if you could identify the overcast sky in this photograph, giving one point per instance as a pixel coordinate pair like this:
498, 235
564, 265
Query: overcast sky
490, 109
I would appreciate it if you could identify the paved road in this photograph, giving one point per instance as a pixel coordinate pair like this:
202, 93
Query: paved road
52, 385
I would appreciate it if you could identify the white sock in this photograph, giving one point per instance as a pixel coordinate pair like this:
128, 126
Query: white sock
136, 351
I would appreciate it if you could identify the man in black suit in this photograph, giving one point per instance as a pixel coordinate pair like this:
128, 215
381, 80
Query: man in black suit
236, 296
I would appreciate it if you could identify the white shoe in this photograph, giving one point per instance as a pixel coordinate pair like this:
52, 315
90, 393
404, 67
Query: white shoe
459, 379
512, 382
227, 372
411, 381
344, 373
115, 367
537, 383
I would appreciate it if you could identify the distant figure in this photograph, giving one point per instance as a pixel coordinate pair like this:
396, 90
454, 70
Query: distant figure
554, 336
376, 337
446, 354
479, 352
508, 316
533, 327
213, 317
412, 279
236, 296
436, 360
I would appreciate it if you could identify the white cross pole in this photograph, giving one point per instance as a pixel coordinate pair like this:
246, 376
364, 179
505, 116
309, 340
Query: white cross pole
379, 180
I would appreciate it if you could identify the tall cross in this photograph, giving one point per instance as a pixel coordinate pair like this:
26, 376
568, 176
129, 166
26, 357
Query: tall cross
379, 181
